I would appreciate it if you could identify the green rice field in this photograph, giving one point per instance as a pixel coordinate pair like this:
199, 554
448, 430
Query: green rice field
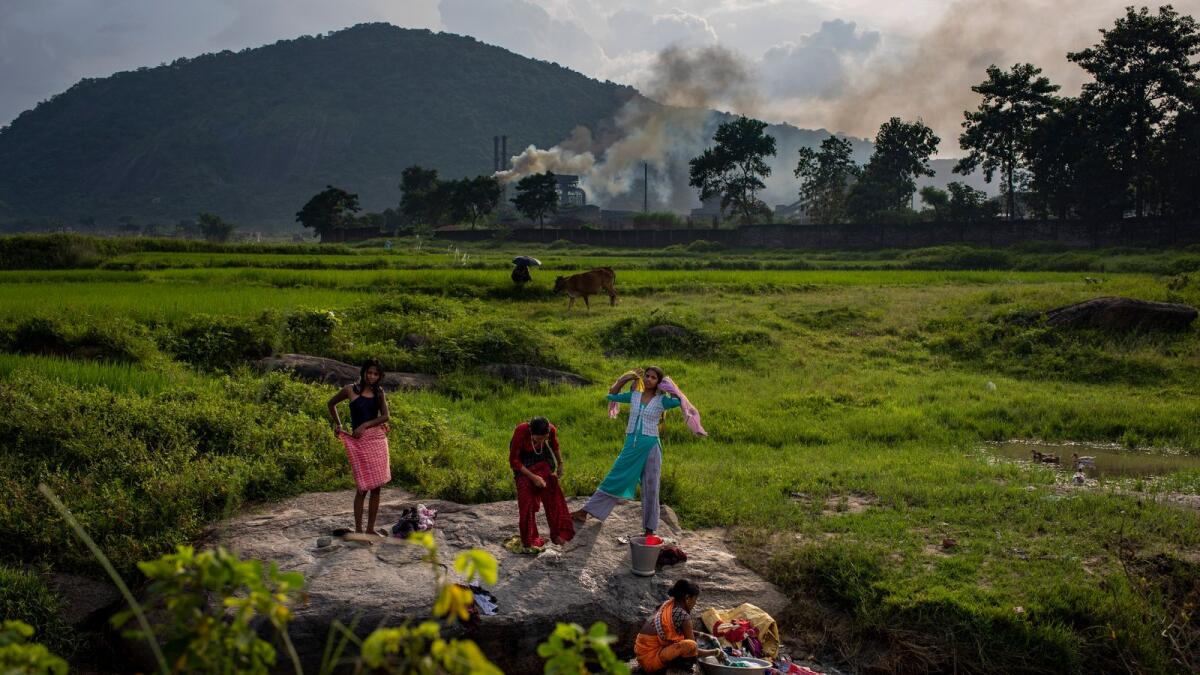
852, 403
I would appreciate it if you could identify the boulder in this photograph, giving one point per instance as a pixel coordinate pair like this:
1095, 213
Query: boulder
84, 599
586, 581
533, 375
414, 341
320, 370
667, 331
1123, 314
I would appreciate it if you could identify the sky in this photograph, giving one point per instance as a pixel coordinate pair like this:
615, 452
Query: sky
843, 65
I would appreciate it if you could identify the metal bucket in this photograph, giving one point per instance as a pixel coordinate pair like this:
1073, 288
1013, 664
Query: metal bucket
643, 556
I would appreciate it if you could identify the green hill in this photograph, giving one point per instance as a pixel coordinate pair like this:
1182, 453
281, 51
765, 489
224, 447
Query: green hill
251, 135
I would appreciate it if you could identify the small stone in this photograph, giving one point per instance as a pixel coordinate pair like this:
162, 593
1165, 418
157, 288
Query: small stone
322, 542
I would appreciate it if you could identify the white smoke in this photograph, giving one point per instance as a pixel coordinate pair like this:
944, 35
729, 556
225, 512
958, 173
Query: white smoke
663, 131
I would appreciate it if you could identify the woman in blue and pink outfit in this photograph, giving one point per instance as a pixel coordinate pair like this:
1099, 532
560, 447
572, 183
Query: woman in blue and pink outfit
641, 457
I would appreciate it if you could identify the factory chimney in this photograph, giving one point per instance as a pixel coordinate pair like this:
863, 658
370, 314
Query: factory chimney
495, 153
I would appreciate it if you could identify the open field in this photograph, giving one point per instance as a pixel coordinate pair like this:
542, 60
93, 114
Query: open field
850, 411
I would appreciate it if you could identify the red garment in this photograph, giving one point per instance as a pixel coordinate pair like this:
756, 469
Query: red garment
368, 457
520, 448
735, 631
529, 497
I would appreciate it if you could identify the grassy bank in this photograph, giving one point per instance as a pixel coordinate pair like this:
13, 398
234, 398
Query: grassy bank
848, 412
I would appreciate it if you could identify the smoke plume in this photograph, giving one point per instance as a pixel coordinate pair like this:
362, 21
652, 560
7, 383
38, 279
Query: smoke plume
663, 131
933, 80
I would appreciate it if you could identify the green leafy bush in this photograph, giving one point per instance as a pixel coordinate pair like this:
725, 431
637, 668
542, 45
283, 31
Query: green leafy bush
19, 656
221, 343
108, 339
25, 597
311, 331
202, 636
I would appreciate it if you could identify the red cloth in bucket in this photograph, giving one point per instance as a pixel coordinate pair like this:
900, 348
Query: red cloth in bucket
368, 457
652, 540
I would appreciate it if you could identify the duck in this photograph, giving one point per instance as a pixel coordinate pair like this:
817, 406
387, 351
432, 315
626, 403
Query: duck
1037, 456
1079, 478
1050, 459
1086, 460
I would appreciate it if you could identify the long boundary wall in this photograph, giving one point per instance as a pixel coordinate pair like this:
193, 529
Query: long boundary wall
1128, 232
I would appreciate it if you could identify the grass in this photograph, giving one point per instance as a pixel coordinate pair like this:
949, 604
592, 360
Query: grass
817, 386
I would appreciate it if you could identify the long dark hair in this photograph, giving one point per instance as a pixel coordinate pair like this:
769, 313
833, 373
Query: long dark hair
377, 388
684, 589
657, 371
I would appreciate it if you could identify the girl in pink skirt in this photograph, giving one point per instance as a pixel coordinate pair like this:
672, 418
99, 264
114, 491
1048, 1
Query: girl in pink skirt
366, 445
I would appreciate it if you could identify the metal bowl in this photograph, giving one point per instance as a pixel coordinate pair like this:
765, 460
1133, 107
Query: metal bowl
710, 665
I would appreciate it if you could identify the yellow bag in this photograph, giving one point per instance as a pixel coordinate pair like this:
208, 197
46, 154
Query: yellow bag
768, 631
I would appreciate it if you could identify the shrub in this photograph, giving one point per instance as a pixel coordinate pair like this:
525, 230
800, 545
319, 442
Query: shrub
25, 597
311, 331
221, 343
18, 656
957, 258
705, 246
99, 339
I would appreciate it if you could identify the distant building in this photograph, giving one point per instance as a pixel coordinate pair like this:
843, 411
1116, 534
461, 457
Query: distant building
792, 213
569, 193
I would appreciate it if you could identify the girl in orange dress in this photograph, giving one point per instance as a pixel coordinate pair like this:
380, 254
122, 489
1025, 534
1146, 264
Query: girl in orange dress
667, 636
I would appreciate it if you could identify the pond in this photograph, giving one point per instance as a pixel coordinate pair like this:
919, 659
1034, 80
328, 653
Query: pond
1109, 461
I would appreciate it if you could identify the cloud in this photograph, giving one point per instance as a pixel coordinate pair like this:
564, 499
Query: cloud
816, 67
632, 30
46, 46
526, 28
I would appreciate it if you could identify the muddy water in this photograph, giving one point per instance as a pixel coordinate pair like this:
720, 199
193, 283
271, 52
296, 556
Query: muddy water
1110, 461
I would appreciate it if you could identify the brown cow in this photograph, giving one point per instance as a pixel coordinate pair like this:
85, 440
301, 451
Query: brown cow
588, 283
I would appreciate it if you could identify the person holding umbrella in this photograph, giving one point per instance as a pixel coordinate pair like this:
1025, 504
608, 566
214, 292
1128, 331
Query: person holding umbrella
520, 273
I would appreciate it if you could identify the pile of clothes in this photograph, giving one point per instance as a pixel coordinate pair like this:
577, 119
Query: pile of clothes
744, 630
417, 518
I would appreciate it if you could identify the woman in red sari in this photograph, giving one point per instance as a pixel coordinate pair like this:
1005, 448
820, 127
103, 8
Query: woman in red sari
667, 636
537, 467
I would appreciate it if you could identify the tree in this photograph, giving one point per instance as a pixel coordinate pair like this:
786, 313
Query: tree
471, 199
328, 210
420, 200
213, 228
825, 179
734, 168
1144, 68
1182, 159
968, 205
537, 195
1071, 173
997, 133
888, 181
938, 201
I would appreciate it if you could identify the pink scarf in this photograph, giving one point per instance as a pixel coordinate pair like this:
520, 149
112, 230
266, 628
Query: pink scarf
690, 414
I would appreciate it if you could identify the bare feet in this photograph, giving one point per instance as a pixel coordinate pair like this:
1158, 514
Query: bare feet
557, 541
579, 516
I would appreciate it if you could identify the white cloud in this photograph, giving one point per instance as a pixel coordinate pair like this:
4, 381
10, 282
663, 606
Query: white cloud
816, 66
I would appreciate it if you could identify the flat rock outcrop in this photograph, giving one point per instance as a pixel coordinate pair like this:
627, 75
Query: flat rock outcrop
1123, 314
320, 370
533, 375
589, 580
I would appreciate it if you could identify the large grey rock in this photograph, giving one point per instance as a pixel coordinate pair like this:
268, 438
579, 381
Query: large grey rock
1123, 314
387, 582
533, 375
84, 598
320, 370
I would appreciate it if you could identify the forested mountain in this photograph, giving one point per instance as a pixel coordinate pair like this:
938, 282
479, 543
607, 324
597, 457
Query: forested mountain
251, 135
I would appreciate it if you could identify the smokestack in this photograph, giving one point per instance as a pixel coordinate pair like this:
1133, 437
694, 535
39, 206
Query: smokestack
503, 152
495, 153
645, 187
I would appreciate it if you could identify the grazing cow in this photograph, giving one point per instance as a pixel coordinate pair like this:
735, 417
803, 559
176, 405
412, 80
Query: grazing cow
588, 283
